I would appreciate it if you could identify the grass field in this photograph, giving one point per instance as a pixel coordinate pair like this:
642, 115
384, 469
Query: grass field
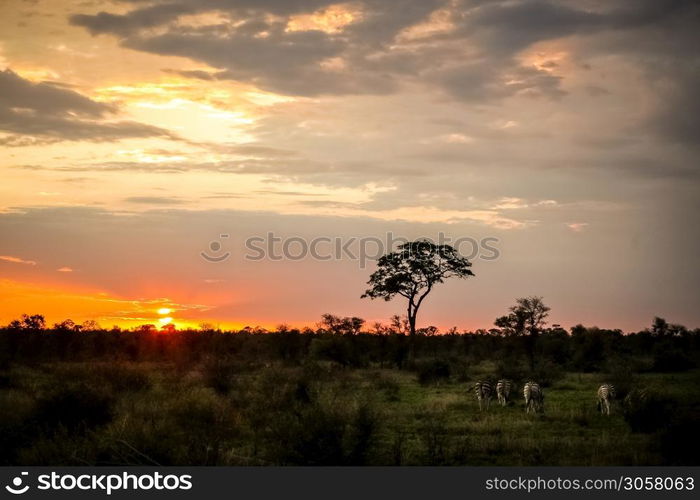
219, 413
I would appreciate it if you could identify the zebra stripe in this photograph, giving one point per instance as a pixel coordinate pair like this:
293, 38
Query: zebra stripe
483, 392
606, 393
534, 399
503, 388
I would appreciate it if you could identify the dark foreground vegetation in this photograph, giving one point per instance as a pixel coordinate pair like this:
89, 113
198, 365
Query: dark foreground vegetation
341, 396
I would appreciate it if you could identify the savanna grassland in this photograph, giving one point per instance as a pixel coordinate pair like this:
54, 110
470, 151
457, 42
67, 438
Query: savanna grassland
318, 398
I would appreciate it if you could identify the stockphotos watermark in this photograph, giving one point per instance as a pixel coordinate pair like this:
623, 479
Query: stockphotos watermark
103, 483
360, 249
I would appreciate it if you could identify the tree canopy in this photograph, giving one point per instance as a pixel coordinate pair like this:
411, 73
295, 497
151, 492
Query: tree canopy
412, 271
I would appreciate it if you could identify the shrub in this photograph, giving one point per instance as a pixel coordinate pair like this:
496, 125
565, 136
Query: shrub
459, 367
389, 387
433, 372
319, 433
341, 350
122, 378
647, 411
512, 369
546, 373
434, 438
296, 419
75, 408
671, 360
15, 430
680, 440
219, 374
621, 375
117, 377
363, 426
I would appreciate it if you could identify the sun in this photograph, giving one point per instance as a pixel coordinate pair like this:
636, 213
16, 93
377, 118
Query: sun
165, 321
164, 310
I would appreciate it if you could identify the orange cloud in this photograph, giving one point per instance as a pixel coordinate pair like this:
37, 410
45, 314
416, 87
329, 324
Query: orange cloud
17, 260
329, 20
577, 227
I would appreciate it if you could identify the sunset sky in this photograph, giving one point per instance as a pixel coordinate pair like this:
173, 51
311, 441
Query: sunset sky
133, 133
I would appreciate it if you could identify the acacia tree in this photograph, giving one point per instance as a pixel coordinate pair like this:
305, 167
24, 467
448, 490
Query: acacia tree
412, 271
527, 317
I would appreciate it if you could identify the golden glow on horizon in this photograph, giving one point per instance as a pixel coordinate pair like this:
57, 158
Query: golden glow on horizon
58, 302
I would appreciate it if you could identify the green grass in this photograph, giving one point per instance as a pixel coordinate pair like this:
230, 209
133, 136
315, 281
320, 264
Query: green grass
570, 432
174, 415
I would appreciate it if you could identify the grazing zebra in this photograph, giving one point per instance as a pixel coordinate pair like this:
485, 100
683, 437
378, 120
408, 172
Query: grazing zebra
503, 388
639, 406
483, 392
606, 393
636, 397
534, 399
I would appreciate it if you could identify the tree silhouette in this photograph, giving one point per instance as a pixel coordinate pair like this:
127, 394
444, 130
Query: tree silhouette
526, 317
341, 326
90, 325
67, 325
412, 272
34, 322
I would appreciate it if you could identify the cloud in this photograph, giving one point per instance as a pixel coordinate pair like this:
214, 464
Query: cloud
254, 43
147, 17
577, 227
474, 57
17, 260
153, 200
677, 113
18, 93
209, 76
64, 270
56, 113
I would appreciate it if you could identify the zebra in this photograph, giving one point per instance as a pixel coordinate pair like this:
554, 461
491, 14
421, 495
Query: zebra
534, 399
636, 397
483, 392
503, 388
606, 393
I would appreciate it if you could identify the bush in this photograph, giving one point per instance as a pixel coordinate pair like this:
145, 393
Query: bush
303, 417
546, 373
122, 378
671, 360
434, 435
621, 375
389, 387
117, 377
680, 440
647, 411
319, 433
433, 372
511, 369
459, 367
219, 374
341, 350
15, 430
75, 408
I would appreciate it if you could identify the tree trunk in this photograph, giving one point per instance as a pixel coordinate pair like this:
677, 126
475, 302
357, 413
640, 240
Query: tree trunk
531, 346
412, 334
